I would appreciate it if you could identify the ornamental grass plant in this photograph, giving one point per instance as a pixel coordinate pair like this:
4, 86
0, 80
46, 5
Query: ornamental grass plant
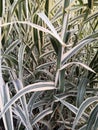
48, 64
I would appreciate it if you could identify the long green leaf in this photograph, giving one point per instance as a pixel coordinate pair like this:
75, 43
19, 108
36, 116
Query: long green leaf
31, 54
83, 127
39, 104
81, 90
37, 27
8, 115
19, 86
17, 110
92, 118
20, 60
48, 23
55, 44
32, 100
41, 86
93, 15
96, 123
46, 54
71, 107
36, 35
75, 49
78, 63
82, 108
45, 65
41, 115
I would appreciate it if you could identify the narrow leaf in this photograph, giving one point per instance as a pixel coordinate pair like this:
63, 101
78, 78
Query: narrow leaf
71, 107
42, 86
92, 118
78, 63
82, 108
81, 90
32, 100
75, 49
20, 60
11, 47
20, 113
41, 115
37, 27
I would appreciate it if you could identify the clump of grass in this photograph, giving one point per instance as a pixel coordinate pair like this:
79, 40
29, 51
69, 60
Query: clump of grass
48, 65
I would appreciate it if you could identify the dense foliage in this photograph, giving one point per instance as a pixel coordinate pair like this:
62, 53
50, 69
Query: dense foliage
48, 64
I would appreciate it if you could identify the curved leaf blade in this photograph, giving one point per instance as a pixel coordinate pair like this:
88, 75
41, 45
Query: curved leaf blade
92, 118
36, 27
41, 115
82, 108
41, 86
75, 49
78, 63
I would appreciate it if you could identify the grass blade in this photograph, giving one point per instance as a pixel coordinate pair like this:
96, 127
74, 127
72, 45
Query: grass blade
20, 60
42, 86
82, 108
81, 91
83, 127
32, 100
36, 27
96, 123
41, 115
31, 54
45, 65
20, 113
75, 49
92, 118
78, 63
8, 115
48, 23
11, 47
71, 107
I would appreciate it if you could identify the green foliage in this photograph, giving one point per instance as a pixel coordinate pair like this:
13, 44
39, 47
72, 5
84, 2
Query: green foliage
48, 64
